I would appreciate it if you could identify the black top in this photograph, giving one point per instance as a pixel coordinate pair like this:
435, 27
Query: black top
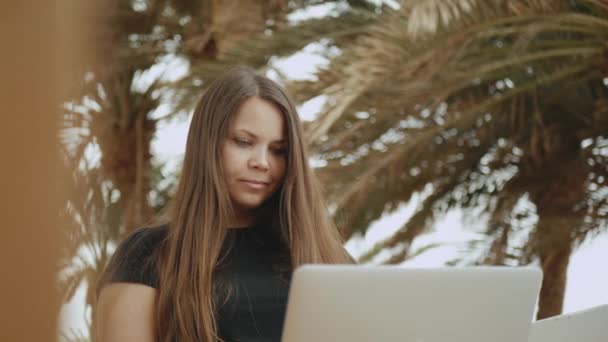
255, 309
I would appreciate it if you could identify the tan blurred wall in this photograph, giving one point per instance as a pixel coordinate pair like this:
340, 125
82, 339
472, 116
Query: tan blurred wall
38, 49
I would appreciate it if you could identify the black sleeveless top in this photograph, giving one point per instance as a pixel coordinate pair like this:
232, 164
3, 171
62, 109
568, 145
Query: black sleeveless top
255, 309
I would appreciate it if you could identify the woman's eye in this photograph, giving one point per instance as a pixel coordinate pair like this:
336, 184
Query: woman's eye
242, 142
279, 151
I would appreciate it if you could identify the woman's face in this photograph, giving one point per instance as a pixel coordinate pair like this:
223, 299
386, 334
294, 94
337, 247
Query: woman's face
254, 155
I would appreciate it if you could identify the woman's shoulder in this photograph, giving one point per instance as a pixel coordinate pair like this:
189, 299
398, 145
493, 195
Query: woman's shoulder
134, 258
144, 239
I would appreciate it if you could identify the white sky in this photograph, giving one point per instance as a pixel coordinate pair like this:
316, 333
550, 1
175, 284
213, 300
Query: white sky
587, 283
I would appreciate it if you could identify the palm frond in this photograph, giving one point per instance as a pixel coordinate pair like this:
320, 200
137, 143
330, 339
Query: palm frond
463, 61
257, 52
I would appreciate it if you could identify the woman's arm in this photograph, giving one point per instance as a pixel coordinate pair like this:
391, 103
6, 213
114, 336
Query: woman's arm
125, 313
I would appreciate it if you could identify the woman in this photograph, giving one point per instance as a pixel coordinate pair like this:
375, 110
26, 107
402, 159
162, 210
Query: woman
247, 211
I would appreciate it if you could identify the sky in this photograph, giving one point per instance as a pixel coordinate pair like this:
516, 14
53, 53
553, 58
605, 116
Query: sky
587, 284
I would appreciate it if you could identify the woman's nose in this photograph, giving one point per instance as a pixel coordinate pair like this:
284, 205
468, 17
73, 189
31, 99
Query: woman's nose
259, 159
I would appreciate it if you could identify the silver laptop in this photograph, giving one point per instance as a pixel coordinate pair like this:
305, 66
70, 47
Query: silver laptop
589, 325
350, 303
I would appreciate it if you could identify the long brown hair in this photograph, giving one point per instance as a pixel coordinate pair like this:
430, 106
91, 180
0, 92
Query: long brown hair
201, 209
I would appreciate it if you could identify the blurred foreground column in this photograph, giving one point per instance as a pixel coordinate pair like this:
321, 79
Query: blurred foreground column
39, 47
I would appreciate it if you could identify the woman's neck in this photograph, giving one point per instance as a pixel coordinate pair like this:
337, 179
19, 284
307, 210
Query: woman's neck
241, 220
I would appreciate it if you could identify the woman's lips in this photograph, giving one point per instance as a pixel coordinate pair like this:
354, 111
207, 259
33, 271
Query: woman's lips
254, 184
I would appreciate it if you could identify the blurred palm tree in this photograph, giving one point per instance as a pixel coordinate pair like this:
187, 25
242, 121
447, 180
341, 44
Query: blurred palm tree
487, 103
93, 215
280, 38
111, 111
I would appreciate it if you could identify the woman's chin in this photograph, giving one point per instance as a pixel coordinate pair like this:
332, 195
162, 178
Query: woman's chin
249, 204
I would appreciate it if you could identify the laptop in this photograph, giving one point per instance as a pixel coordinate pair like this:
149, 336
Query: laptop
354, 303
589, 325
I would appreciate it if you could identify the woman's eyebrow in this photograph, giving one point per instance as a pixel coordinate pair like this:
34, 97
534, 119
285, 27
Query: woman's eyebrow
253, 135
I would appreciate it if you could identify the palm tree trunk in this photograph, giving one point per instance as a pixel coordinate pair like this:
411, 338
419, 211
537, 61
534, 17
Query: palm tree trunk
229, 24
553, 239
124, 134
236, 20
554, 263
557, 187
126, 161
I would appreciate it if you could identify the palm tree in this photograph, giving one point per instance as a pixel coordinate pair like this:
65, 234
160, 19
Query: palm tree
111, 114
279, 39
487, 103
93, 216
